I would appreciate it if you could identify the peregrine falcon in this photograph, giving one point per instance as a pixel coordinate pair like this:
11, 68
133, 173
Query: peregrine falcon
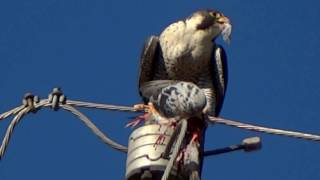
186, 51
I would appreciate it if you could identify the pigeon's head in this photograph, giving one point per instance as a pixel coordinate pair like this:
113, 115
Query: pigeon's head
210, 23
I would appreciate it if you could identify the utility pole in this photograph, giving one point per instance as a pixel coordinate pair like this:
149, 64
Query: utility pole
148, 161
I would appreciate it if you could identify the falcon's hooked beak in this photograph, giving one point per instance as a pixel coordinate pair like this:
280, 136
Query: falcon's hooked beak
224, 23
223, 20
226, 27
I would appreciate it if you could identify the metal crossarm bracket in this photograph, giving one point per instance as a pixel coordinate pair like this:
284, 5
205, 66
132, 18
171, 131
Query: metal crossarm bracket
248, 145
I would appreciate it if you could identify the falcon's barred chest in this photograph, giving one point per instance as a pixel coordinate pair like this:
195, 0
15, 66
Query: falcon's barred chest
183, 58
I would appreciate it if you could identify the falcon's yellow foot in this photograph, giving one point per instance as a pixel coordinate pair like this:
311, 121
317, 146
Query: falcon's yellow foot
140, 107
150, 109
146, 107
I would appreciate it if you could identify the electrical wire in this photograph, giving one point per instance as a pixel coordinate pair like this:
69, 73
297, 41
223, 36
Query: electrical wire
10, 129
102, 106
11, 112
294, 134
103, 137
182, 129
33, 106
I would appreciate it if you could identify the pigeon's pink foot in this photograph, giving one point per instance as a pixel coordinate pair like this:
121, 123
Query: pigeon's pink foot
137, 120
195, 138
142, 107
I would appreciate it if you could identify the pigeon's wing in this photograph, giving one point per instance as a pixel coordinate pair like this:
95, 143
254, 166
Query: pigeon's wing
175, 98
153, 88
219, 70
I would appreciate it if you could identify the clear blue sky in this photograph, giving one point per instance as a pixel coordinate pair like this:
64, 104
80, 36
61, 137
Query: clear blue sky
91, 48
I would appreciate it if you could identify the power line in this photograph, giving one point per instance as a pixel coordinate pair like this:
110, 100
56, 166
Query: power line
95, 129
57, 99
294, 134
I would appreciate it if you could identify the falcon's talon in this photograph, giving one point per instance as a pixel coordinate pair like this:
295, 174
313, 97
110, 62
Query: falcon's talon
140, 106
146, 107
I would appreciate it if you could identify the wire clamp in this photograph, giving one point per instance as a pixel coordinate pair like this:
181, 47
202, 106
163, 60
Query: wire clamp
56, 97
30, 101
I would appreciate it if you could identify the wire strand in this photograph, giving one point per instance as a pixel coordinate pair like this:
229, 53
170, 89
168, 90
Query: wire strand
101, 106
251, 127
10, 129
11, 112
95, 129
22, 110
182, 132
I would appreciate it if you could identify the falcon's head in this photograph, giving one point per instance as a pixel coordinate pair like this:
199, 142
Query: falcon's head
210, 23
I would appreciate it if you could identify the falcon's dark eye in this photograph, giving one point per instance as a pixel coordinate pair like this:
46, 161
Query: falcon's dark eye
215, 14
